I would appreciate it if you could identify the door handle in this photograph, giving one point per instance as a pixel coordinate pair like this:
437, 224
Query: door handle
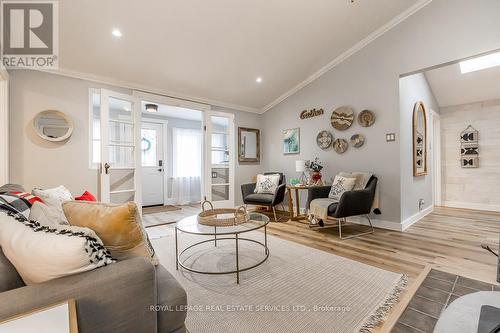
160, 170
106, 168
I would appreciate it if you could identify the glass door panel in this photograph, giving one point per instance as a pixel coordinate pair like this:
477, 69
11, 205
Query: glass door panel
220, 157
119, 155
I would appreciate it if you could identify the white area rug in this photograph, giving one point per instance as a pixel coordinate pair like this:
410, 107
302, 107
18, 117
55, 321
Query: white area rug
298, 289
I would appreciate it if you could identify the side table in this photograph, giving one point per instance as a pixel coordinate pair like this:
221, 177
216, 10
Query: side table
296, 188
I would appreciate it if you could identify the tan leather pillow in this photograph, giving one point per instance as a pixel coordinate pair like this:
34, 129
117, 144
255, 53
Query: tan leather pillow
118, 226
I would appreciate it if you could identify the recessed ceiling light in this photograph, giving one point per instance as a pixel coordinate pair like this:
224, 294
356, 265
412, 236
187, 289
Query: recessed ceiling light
116, 33
479, 63
258, 80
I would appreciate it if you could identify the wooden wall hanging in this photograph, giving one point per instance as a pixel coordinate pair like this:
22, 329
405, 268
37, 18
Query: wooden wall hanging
311, 113
469, 148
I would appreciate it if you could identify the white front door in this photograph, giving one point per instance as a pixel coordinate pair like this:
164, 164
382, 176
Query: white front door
153, 163
219, 158
120, 156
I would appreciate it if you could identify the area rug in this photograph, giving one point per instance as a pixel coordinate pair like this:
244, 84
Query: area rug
298, 289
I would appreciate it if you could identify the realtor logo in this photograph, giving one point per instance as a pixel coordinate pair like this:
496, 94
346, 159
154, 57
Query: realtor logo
29, 32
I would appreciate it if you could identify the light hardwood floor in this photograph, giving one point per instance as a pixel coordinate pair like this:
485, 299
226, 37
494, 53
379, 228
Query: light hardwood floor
449, 239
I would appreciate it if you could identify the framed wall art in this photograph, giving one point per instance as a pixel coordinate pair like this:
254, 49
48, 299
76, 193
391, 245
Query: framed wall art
291, 141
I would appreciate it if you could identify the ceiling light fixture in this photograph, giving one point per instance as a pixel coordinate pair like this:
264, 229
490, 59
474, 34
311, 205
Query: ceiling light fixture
479, 63
151, 108
258, 80
116, 33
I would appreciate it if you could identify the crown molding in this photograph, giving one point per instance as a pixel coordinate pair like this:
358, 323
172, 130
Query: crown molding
350, 52
151, 90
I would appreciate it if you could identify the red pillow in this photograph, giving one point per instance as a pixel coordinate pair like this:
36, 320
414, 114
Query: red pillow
86, 196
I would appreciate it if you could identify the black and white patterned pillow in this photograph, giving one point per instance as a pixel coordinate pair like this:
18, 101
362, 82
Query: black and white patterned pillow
44, 252
267, 184
341, 185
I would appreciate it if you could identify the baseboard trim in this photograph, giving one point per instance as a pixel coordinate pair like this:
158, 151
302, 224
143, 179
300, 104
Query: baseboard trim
416, 217
383, 224
468, 205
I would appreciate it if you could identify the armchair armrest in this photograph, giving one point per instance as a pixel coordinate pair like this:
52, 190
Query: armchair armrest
279, 196
317, 192
103, 297
354, 203
247, 189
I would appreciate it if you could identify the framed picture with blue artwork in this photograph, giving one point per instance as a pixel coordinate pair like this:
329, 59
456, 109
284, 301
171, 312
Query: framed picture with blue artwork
291, 141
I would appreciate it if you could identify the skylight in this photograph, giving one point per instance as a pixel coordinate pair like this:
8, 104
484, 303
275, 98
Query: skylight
479, 63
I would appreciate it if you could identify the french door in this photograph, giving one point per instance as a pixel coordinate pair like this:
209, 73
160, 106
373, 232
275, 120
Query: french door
120, 151
219, 158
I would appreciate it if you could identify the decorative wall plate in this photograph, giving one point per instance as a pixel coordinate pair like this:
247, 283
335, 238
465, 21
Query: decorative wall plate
357, 140
366, 118
324, 139
340, 145
342, 118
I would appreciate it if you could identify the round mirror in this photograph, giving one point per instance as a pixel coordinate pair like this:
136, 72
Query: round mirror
53, 125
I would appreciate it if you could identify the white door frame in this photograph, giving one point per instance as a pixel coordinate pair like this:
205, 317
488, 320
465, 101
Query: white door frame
164, 123
136, 113
166, 100
207, 167
436, 158
4, 126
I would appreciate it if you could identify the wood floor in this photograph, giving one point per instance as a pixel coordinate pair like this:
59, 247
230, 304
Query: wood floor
449, 239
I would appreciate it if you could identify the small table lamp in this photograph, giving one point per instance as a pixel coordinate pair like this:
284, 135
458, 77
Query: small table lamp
300, 166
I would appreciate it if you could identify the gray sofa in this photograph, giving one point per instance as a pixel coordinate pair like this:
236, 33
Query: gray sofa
116, 298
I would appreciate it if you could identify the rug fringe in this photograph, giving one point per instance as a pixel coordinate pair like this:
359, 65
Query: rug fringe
381, 313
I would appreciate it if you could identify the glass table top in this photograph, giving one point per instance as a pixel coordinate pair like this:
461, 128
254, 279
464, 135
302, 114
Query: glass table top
190, 225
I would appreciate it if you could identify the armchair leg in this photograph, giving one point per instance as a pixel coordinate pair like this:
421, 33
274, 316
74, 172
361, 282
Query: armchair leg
355, 235
274, 212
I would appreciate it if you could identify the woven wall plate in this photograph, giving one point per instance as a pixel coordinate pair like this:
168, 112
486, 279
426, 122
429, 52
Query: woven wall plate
342, 118
366, 118
340, 145
324, 139
357, 140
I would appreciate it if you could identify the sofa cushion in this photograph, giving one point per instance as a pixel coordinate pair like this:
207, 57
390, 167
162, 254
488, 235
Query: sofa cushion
174, 298
119, 227
9, 277
260, 198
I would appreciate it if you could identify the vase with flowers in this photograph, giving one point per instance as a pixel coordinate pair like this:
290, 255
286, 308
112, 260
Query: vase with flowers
315, 176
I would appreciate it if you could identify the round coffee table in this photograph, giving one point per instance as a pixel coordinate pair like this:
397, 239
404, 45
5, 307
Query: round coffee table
190, 225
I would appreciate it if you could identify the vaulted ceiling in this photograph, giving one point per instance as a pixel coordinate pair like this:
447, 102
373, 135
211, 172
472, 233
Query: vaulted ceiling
214, 50
451, 87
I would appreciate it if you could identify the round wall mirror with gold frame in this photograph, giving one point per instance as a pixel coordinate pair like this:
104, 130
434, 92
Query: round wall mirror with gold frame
53, 125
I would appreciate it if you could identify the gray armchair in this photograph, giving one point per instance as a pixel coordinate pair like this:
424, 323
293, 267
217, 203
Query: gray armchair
352, 203
267, 200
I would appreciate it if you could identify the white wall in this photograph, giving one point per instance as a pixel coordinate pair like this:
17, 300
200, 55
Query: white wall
37, 163
412, 89
477, 188
435, 35
4, 126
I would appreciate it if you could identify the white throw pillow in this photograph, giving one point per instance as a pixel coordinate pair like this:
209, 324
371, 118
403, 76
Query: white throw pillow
54, 197
341, 185
41, 253
267, 184
46, 215
362, 178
